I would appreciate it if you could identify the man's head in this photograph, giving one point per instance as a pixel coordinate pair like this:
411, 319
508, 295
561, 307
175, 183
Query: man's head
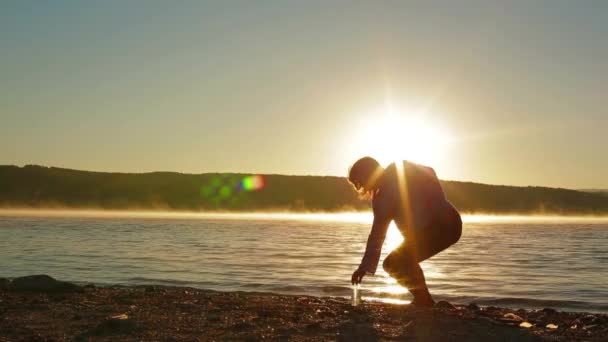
364, 173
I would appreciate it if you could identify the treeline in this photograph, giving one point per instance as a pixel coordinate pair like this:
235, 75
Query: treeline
49, 187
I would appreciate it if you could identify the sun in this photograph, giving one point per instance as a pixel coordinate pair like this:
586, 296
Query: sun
391, 136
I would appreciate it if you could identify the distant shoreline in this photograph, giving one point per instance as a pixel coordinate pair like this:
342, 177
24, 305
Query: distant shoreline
42, 187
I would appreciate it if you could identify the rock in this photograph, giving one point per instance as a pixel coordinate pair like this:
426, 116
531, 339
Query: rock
473, 307
42, 283
265, 313
120, 317
325, 312
186, 306
589, 319
57, 298
442, 304
213, 317
549, 311
313, 326
351, 331
242, 326
303, 300
525, 325
4, 284
115, 325
513, 317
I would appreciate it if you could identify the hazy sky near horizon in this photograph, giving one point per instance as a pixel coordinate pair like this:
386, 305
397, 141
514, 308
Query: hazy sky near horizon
517, 87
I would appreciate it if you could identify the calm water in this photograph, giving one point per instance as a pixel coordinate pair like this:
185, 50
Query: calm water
514, 262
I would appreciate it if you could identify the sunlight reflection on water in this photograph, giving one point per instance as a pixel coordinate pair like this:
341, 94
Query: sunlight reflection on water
387, 300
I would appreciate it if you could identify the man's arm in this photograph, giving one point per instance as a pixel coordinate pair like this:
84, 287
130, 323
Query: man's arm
382, 219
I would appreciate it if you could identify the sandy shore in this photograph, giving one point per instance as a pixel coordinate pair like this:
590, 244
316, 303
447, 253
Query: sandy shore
185, 314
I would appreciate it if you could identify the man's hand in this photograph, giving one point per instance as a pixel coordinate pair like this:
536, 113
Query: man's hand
357, 276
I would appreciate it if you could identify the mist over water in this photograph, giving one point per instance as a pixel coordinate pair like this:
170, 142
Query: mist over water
514, 262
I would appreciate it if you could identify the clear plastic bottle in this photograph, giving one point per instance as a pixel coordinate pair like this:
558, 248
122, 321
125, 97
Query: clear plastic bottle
356, 298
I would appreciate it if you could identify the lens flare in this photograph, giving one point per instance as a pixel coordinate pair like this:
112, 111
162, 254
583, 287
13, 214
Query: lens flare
230, 190
253, 183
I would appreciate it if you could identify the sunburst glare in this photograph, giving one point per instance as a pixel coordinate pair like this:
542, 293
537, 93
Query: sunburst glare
393, 135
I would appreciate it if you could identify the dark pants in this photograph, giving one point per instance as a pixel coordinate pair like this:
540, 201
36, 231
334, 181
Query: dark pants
403, 262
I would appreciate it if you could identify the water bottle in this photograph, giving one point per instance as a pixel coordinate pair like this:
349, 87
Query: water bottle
356, 299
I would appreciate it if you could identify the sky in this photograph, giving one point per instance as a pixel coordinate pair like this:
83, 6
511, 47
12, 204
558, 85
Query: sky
515, 92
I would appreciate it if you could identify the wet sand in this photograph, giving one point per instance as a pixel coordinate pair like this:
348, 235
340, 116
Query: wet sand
186, 314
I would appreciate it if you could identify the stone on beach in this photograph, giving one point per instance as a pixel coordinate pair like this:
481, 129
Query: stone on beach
442, 304
42, 283
526, 325
549, 311
120, 324
473, 307
4, 284
589, 319
513, 317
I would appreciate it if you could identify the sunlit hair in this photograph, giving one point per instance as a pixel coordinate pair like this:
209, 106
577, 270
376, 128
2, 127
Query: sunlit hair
363, 175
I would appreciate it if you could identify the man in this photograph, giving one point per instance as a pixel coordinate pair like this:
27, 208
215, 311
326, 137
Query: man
409, 194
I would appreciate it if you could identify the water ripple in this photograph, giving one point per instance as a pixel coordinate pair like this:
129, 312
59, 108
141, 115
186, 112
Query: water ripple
518, 264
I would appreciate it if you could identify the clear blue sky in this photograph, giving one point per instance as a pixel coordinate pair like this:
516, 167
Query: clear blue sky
280, 86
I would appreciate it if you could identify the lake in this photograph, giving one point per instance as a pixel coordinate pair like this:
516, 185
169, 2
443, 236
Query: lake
528, 262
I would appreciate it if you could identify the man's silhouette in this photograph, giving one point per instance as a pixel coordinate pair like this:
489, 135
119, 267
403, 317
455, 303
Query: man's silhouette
409, 194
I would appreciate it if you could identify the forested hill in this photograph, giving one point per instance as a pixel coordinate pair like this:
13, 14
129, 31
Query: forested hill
50, 187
